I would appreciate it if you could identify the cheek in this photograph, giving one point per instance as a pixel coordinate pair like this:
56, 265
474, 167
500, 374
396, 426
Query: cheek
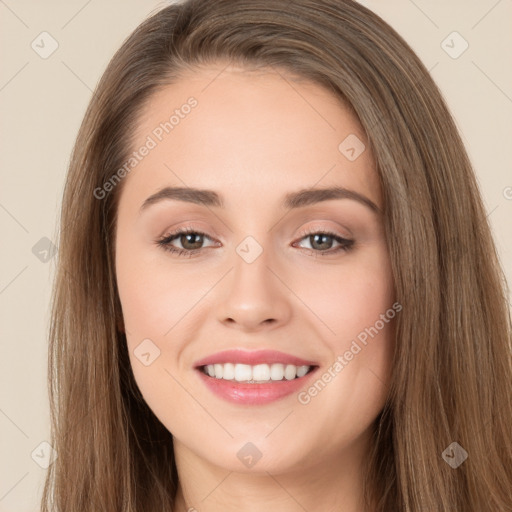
160, 304
153, 302
351, 299
153, 297
150, 306
353, 384
357, 316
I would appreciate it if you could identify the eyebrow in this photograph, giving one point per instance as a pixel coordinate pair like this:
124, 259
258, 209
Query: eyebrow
292, 200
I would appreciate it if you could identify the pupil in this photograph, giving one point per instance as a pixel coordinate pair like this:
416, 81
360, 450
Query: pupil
321, 236
192, 235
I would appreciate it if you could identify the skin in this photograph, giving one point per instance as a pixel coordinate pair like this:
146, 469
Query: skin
254, 137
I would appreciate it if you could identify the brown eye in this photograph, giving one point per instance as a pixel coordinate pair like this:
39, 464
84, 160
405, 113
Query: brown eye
191, 241
321, 242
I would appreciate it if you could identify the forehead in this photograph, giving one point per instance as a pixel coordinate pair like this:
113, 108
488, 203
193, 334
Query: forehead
249, 132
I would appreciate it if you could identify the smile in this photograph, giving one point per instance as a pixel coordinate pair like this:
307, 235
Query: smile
255, 374
254, 377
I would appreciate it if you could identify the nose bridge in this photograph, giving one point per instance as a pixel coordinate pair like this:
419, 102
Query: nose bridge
251, 267
254, 295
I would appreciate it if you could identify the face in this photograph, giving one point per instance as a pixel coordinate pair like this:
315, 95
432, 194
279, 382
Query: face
264, 282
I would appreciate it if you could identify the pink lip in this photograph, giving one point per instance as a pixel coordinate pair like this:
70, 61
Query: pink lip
253, 358
243, 393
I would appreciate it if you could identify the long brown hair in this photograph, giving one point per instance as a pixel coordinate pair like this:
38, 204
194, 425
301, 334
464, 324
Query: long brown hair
452, 369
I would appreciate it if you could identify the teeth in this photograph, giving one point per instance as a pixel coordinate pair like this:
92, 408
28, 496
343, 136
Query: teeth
302, 370
257, 373
290, 372
228, 371
277, 372
218, 370
261, 372
243, 372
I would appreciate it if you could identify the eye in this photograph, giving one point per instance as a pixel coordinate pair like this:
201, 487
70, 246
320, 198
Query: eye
191, 242
189, 238
320, 245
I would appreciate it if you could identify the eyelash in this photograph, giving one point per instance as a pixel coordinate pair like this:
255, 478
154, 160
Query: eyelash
346, 244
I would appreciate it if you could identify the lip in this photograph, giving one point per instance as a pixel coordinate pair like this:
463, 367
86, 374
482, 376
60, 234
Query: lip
253, 357
243, 393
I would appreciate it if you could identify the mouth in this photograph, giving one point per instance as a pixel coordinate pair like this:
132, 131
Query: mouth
254, 378
257, 374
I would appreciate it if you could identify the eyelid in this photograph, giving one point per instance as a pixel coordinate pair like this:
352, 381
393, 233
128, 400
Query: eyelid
176, 233
312, 229
345, 244
321, 228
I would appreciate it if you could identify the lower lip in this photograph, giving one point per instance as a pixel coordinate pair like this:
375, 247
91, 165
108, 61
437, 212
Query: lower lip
253, 394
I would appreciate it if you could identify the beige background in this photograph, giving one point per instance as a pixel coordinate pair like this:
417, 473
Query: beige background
42, 103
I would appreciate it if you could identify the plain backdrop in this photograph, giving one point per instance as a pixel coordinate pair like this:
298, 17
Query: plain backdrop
43, 97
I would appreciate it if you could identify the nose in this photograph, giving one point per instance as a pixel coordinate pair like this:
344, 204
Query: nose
255, 296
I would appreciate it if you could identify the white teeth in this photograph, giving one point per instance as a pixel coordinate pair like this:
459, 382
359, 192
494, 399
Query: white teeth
219, 370
228, 372
290, 372
258, 373
302, 370
277, 372
261, 372
243, 372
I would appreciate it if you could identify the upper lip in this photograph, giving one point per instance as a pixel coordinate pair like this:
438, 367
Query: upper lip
252, 357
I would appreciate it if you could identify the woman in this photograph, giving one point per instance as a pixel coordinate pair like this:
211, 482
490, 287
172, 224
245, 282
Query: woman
277, 286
